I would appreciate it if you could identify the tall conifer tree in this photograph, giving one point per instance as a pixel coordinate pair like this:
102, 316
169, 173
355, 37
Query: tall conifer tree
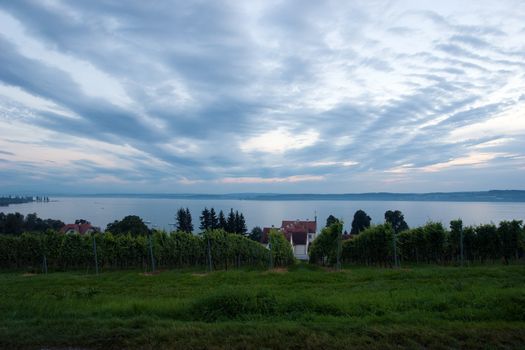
230, 223
205, 220
222, 221
214, 222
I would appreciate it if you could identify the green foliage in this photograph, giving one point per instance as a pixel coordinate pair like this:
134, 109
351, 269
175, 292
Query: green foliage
413, 245
184, 221
300, 308
232, 250
425, 244
435, 236
179, 249
511, 236
361, 222
236, 223
223, 225
323, 249
488, 242
281, 249
372, 246
431, 243
131, 224
230, 221
233, 304
16, 223
240, 224
454, 239
331, 220
208, 219
256, 234
75, 251
397, 220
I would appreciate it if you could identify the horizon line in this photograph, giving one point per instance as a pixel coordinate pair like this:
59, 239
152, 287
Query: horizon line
38, 193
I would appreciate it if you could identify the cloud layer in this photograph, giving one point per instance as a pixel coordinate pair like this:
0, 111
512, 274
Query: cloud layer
289, 96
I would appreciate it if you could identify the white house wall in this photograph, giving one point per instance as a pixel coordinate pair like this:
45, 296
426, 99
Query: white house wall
300, 251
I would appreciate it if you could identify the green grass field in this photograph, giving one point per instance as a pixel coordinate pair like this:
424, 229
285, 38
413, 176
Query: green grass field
301, 308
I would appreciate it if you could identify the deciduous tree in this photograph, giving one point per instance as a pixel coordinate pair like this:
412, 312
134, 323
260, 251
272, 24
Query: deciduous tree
361, 222
256, 234
331, 220
131, 224
397, 220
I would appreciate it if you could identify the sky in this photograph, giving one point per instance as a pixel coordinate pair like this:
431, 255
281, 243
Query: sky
261, 96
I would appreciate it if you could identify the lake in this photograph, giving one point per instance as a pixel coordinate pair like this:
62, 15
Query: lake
161, 212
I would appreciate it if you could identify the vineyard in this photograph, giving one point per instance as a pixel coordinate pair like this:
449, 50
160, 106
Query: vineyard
216, 249
213, 249
432, 243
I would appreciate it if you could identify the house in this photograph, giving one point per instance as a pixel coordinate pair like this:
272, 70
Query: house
299, 233
82, 229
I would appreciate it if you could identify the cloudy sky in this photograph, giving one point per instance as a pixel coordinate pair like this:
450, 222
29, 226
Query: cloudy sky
261, 96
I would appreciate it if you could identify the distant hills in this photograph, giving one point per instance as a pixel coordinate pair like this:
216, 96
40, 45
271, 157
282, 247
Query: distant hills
479, 196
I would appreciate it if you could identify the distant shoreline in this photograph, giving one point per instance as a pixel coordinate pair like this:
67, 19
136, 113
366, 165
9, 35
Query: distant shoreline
479, 196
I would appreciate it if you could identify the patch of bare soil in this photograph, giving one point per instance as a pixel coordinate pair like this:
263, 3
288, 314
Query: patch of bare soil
199, 274
150, 273
277, 270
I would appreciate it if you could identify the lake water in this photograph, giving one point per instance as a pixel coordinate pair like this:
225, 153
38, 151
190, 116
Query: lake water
161, 212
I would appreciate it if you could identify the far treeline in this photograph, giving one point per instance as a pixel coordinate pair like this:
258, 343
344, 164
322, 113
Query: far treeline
16, 223
234, 222
209, 220
394, 243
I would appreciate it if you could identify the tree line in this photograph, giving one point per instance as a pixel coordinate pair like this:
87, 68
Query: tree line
362, 221
210, 220
16, 223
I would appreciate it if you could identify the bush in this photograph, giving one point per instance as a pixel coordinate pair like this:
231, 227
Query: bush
281, 249
372, 246
324, 248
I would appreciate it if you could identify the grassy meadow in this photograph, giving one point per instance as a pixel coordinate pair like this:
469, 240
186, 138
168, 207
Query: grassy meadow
303, 307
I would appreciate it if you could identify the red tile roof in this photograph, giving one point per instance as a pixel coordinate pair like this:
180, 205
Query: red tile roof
81, 229
84, 228
68, 227
290, 226
295, 229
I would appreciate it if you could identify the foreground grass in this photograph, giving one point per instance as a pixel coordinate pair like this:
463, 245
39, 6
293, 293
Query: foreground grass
423, 307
